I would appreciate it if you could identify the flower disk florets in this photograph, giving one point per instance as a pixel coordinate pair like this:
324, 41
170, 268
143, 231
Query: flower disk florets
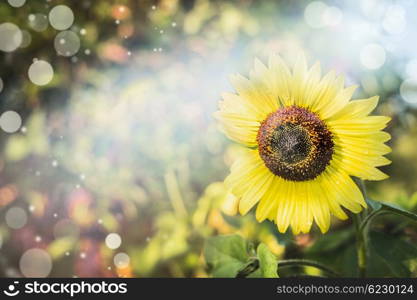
295, 144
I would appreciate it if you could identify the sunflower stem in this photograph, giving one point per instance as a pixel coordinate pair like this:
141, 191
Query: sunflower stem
307, 262
361, 246
361, 234
253, 265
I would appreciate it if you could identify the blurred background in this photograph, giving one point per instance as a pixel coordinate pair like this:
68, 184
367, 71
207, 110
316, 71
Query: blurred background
111, 164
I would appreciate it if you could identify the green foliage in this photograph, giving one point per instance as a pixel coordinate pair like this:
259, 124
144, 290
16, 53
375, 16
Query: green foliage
268, 262
226, 255
336, 249
388, 253
232, 256
392, 252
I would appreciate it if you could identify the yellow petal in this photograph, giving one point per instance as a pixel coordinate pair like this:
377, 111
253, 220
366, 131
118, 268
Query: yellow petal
357, 109
367, 124
261, 78
302, 217
345, 190
337, 103
285, 209
319, 206
299, 78
238, 127
326, 91
313, 80
255, 98
269, 203
280, 79
260, 184
246, 168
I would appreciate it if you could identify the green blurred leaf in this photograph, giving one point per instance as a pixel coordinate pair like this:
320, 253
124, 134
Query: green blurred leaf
375, 205
226, 255
399, 211
268, 262
392, 251
332, 241
336, 249
58, 247
386, 208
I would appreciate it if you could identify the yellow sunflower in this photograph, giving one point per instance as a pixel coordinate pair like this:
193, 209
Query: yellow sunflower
304, 138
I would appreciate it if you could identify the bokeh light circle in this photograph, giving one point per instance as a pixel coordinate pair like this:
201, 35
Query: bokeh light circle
38, 22
16, 217
10, 121
35, 262
332, 16
61, 17
26, 39
408, 90
313, 14
67, 43
113, 241
394, 21
411, 68
372, 56
10, 37
121, 260
16, 3
40, 72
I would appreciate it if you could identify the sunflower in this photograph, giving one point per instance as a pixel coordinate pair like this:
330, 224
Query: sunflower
304, 138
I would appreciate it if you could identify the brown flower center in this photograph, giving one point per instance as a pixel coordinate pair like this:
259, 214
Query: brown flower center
295, 144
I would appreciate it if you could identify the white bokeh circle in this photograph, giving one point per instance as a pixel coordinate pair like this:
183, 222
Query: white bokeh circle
121, 260
408, 91
35, 262
372, 56
10, 37
16, 3
113, 241
61, 17
40, 72
38, 22
10, 121
16, 217
67, 43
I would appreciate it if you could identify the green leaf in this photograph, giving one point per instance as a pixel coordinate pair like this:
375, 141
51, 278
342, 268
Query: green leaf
267, 261
399, 211
375, 205
386, 208
226, 255
256, 274
393, 251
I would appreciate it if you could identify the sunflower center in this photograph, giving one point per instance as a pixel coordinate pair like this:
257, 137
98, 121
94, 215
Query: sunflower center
291, 142
295, 144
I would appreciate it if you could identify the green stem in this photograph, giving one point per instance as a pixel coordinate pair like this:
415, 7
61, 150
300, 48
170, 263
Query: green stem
361, 233
361, 245
364, 224
306, 262
253, 265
